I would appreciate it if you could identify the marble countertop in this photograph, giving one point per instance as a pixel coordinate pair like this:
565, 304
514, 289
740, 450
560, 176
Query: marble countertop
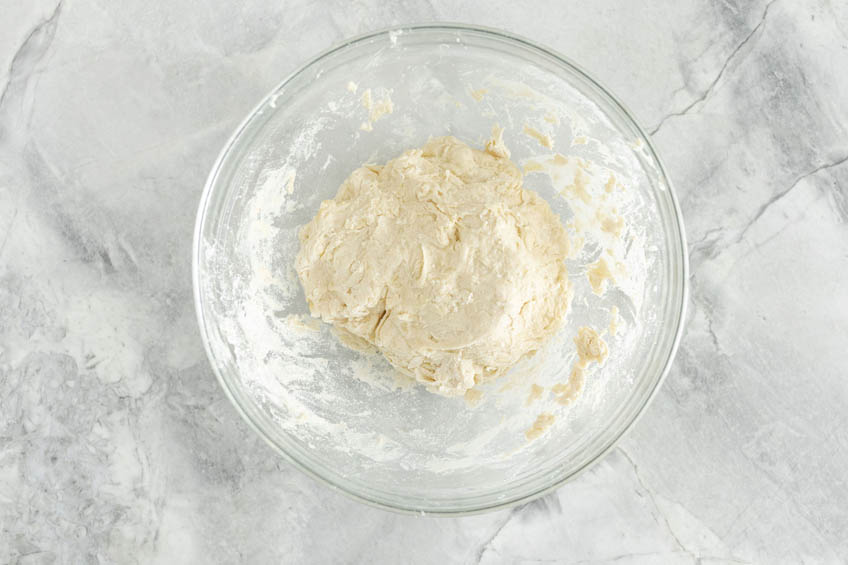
116, 444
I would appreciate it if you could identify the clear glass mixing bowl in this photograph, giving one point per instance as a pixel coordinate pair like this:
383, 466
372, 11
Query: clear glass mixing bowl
332, 411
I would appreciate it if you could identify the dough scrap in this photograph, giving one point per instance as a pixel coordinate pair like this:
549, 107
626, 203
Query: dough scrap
615, 321
442, 260
479, 94
543, 139
376, 109
535, 394
544, 421
598, 273
591, 348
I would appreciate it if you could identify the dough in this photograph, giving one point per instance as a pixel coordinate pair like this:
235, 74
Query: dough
535, 394
544, 140
376, 110
544, 421
590, 348
442, 260
598, 273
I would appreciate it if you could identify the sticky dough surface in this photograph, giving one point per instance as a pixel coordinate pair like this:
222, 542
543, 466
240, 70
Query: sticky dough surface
442, 260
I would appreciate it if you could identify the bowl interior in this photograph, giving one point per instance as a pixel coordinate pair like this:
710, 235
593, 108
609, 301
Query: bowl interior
342, 415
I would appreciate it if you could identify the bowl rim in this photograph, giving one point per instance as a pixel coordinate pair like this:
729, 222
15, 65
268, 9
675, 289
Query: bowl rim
208, 189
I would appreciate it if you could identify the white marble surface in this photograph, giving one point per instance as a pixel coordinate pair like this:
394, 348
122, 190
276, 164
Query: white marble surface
116, 444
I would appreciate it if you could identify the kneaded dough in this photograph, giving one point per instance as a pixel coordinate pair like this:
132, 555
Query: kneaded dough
442, 260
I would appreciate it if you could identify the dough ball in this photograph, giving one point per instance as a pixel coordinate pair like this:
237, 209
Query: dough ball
442, 260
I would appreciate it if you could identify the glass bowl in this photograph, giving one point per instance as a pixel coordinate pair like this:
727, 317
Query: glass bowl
342, 415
